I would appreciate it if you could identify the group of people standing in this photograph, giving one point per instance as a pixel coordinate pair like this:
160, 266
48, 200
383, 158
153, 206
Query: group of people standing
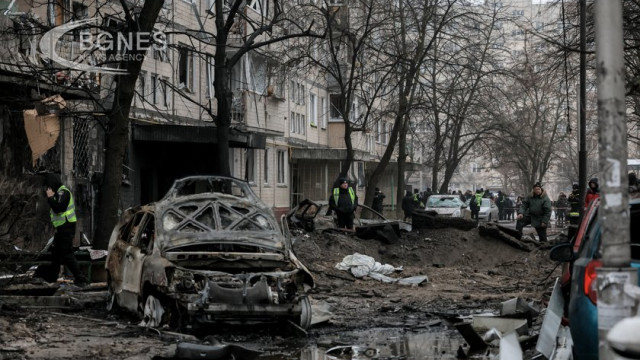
533, 209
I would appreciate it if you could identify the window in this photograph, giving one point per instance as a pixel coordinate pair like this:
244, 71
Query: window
154, 88
261, 6
370, 143
385, 133
378, 131
265, 169
301, 94
281, 167
141, 84
301, 124
250, 171
296, 92
185, 67
210, 75
313, 108
354, 114
360, 174
79, 11
160, 52
298, 123
165, 92
323, 113
336, 106
293, 122
476, 168
258, 80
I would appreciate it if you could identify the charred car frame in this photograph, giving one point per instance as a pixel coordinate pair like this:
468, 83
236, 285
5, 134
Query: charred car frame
210, 251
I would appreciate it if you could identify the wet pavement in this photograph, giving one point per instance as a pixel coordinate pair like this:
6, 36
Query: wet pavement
436, 344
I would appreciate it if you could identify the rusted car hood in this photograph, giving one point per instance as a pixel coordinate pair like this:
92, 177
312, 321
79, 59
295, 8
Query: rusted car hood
201, 219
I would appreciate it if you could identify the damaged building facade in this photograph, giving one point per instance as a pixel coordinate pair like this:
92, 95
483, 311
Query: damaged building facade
286, 139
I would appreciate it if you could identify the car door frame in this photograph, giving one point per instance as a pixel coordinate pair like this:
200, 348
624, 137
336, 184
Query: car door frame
126, 280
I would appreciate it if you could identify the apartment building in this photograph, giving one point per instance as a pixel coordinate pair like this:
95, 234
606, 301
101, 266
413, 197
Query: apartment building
286, 138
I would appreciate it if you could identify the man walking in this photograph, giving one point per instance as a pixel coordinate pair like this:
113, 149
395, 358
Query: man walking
408, 205
344, 202
378, 198
63, 217
535, 210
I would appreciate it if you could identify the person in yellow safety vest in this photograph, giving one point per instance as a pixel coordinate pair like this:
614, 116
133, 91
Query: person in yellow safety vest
63, 217
479, 195
416, 199
344, 201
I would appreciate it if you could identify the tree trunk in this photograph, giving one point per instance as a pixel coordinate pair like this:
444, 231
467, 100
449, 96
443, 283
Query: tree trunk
402, 153
117, 138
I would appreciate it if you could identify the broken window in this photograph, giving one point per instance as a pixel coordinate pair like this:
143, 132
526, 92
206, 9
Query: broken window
258, 80
336, 106
164, 91
185, 67
129, 231
261, 6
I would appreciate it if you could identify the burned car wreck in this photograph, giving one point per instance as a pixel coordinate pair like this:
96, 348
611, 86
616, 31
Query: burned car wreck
210, 251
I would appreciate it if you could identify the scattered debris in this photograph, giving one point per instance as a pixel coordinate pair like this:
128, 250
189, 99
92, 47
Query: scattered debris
216, 351
430, 219
362, 265
504, 234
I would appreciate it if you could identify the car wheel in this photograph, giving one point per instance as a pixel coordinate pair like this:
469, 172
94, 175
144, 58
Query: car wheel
152, 313
305, 314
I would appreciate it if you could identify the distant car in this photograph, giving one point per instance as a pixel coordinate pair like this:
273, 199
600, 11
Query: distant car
582, 311
446, 205
210, 251
488, 210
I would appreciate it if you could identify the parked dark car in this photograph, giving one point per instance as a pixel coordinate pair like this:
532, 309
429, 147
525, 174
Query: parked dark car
582, 309
210, 251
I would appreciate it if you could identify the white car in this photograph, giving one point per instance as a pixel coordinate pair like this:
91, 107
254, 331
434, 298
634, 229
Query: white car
446, 205
488, 210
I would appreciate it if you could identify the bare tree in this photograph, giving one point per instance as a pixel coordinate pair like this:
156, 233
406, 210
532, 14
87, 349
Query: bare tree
457, 86
533, 121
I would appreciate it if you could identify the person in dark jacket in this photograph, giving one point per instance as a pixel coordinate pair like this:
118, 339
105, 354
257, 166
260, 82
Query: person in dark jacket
500, 203
344, 201
378, 198
592, 192
562, 208
535, 210
63, 217
408, 205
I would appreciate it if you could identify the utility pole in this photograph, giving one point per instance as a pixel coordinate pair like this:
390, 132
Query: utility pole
582, 111
613, 304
